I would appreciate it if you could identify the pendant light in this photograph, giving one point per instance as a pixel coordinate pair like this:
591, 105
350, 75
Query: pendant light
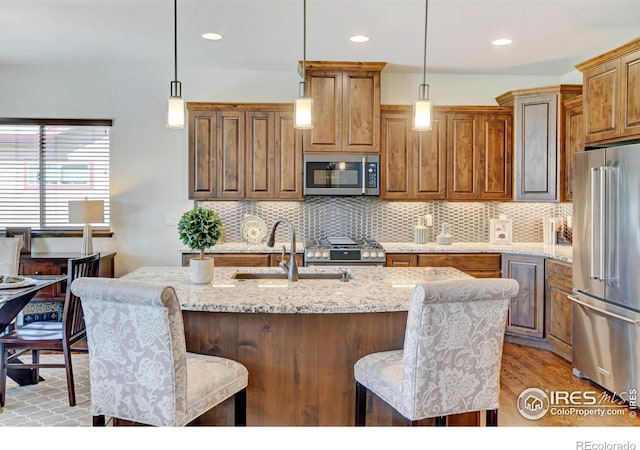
175, 111
423, 108
303, 106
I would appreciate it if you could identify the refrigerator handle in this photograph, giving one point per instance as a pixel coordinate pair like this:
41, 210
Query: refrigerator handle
609, 224
603, 221
594, 273
602, 311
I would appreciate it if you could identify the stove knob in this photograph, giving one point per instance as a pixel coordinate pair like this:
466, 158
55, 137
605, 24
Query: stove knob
317, 254
325, 254
366, 255
380, 255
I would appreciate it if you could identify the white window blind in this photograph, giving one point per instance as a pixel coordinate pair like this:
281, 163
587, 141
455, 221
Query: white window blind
45, 163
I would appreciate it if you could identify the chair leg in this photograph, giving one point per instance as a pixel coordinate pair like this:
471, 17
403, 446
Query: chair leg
240, 408
361, 405
441, 421
3, 374
98, 421
66, 350
492, 417
35, 373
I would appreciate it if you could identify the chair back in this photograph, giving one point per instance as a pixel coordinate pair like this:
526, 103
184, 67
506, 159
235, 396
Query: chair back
453, 345
10, 255
137, 351
73, 326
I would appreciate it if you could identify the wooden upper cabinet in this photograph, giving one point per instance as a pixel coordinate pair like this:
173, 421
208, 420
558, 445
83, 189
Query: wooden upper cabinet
412, 162
478, 148
538, 139
611, 85
346, 110
573, 142
239, 151
202, 154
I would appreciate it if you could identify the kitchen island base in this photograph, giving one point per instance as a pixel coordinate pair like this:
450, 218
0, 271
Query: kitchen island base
301, 365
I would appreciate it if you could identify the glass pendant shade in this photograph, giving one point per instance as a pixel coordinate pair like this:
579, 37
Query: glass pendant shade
422, 115
303, 112
175, 112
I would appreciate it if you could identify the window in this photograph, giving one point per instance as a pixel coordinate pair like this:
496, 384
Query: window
45, 163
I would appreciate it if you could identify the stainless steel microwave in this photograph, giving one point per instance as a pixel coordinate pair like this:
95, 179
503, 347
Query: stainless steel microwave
338, 174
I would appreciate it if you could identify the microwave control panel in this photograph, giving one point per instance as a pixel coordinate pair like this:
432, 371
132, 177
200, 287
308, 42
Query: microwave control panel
372, 175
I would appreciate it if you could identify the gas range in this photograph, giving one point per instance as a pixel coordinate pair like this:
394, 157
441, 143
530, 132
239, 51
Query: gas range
340, 250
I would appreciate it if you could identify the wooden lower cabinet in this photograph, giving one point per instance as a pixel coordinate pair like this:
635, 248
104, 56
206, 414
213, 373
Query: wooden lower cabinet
526, 311
243, 259
479, 265
558, 309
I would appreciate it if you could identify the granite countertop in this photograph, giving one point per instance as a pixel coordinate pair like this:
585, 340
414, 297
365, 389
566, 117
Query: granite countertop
559, 252
243, 247
374, 289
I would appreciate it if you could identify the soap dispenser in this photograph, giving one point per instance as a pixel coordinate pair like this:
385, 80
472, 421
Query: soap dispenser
420, 232
444, 238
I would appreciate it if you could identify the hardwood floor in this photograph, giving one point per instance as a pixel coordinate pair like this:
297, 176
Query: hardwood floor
526, 367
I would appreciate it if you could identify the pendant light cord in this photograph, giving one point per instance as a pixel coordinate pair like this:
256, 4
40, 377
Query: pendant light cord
424, 65
175, 39
303, 84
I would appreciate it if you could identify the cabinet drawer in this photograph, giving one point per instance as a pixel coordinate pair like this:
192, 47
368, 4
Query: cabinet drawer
462, 261
53, 292
561, 272
402, 260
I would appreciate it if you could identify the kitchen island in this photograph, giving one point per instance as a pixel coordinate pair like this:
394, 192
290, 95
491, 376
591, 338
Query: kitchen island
299, 340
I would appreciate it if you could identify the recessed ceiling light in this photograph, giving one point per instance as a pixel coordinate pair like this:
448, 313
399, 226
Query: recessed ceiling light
503, 41
359, 38
212, 36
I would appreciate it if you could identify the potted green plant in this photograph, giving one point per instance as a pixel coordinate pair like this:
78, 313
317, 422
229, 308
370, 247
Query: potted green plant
200, 229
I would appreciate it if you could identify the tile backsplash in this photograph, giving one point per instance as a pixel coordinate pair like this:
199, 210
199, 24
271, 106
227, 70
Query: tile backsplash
388, 221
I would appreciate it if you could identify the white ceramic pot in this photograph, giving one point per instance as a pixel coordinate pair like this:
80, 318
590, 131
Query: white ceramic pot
201, 270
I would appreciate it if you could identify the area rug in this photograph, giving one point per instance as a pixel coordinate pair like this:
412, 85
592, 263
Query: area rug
46, 404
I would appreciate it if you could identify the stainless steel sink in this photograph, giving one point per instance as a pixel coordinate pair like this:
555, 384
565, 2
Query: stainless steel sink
342, 275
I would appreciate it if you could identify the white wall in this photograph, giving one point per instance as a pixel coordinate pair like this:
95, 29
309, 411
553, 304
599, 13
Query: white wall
149, 162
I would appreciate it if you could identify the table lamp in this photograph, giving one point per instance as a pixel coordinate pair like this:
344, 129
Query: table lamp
86, 212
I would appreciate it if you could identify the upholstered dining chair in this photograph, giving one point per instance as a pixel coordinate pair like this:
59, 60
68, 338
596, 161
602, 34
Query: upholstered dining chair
450, 363
10, 255
139, 369
49, 335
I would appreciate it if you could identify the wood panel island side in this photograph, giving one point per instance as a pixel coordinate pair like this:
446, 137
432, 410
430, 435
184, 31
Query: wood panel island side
299, 340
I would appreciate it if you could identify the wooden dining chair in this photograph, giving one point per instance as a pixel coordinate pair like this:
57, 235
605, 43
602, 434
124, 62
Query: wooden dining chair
49, 335
450, 363
10, 255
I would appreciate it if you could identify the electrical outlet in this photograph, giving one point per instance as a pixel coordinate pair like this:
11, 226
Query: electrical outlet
569, 222
428, 220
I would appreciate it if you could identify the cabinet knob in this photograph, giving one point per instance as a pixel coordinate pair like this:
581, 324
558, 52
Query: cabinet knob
37, 272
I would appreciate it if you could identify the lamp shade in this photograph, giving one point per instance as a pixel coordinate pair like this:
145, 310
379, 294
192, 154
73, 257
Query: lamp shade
303, 112
175, 113
422, 115
86, 211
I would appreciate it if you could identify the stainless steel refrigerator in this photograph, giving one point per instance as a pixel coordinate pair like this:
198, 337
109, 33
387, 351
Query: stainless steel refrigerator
606, 267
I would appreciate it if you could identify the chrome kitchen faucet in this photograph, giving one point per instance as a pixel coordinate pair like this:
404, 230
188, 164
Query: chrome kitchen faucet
292, 267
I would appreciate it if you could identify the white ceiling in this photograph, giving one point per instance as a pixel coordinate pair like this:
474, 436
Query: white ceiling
550, 36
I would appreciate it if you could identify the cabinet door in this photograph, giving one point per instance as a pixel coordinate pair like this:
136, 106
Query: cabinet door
526, 309
462, 160
429, 177
559, 315
402, 260
361, 112
260, 144
325, 87
536, 147
230, 154
494, 163
573, 142
396, 156
288, 158
630, 95
202, 154
601, 101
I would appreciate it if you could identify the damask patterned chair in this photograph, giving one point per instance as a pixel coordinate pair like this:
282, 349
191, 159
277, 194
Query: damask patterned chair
10, 255
139, 368
452, 353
